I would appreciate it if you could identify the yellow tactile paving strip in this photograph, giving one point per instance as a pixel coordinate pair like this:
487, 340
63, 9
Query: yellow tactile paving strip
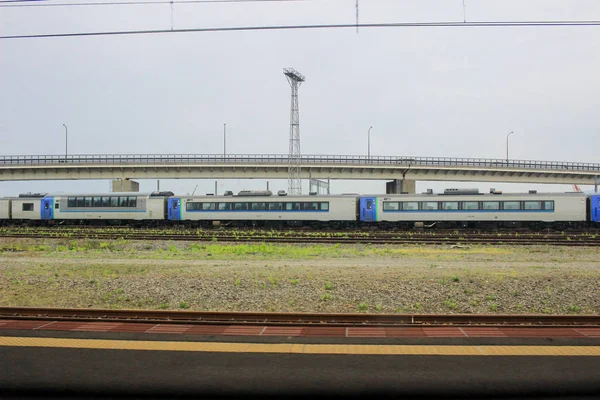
362, 349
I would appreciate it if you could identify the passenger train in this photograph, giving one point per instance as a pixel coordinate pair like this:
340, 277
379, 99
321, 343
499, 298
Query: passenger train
453, 208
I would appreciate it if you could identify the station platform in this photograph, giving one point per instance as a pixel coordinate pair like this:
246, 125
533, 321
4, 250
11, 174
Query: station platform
108, 360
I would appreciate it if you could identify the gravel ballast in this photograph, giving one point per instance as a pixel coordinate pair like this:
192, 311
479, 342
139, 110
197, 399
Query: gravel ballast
299, 278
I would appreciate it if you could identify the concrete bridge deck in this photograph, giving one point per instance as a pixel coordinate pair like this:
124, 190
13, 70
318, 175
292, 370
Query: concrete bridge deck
268, 166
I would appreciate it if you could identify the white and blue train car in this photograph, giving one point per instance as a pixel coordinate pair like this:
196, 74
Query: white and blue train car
26, 207
502, 208
340, 208
108, 206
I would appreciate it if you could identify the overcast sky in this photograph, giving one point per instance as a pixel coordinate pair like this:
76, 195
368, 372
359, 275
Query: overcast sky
452, 92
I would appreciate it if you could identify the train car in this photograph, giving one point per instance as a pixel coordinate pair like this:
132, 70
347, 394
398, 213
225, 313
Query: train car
108, 207
264, 210
5, 213
467, 208
594, 209
27, 207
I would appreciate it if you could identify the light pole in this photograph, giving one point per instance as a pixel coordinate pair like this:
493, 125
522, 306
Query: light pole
66, 141
369, 143
507, 136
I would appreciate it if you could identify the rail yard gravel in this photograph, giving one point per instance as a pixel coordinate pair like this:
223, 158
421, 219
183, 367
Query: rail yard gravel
299, 278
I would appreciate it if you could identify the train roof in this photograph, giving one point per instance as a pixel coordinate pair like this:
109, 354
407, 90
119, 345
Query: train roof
271, 198
497, 194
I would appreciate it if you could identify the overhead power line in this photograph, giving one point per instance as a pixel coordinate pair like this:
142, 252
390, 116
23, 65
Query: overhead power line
43, 3
326, 26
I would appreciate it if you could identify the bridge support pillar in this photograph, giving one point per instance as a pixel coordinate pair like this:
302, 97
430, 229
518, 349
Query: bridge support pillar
125, 185
399, 186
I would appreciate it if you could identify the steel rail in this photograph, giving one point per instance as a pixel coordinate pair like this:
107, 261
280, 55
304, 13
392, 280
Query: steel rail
295, 319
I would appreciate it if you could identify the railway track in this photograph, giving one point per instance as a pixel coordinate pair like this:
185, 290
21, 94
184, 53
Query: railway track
293, 319
333, 238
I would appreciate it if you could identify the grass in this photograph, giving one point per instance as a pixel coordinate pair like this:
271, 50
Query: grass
363, 307
328, 286
327, 297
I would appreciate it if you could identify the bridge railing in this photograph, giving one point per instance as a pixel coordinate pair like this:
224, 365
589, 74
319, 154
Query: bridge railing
139, 159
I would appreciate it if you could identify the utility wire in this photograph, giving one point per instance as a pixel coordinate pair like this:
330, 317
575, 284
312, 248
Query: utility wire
326, 26
36, 3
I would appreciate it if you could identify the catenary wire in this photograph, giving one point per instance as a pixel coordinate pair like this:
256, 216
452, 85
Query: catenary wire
303, 27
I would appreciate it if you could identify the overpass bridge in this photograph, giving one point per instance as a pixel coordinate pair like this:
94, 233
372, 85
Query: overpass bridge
401, 170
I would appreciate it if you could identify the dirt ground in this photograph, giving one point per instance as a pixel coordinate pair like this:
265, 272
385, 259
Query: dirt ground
319, 278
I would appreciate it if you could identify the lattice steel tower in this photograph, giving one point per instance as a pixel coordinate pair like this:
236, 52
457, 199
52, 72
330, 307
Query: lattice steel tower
295, 79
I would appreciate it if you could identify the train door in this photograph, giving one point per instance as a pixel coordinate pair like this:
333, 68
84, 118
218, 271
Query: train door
174, 212
595, 208
367, 209
47, 209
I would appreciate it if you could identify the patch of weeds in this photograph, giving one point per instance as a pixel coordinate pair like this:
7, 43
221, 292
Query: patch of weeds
272, 280
163, 306
546, 310
468, 292
475, 302
442, 281
363, 307
378, 307
490, 297
328, 286
574, 308
493, 307
451, 304
183, 305
237, 282
417, 306
294, 281
327, 297
455, 278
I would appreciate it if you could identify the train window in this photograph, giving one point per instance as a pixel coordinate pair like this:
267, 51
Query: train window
275, 206
27, 207
209, 206
106, 202
491, 205
97, 201
391, 206
548, 205
430, 205
56, 206
470, 205
315, 206
123, 201
533, 205
241, 206
80, 202
324, 206
71, 202
132, 201
192, 206
88, 201
297, 206
511, 205
224, 206
289, 206
175, 204
369, 204
410, 205
450, 205
259, 206
114, 202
